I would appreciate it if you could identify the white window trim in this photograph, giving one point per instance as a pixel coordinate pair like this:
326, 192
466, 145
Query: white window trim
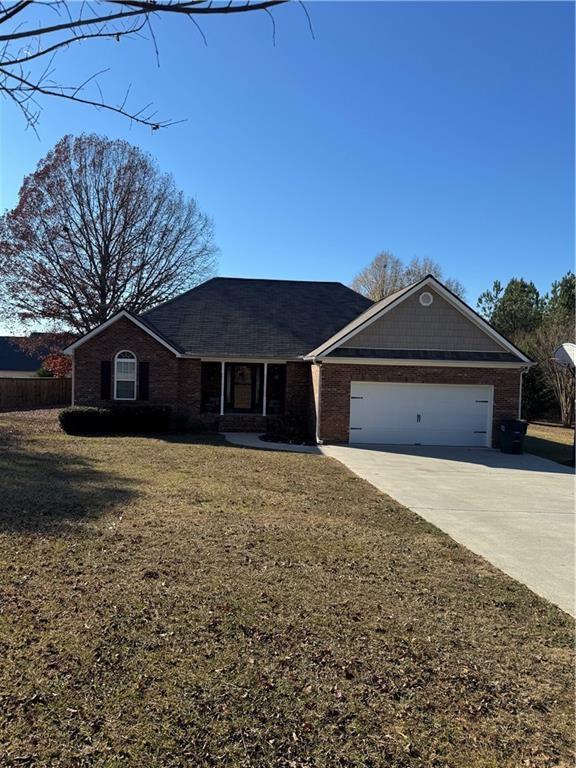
222, 386
117, 379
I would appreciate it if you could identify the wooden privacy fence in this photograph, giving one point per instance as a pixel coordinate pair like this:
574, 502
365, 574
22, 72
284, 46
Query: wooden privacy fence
34, 393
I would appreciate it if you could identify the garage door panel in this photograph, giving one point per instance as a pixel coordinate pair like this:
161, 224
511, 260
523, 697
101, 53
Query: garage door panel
421, 414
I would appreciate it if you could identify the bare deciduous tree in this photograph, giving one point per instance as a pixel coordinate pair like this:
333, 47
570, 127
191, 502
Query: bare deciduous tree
381, 277
33, 33
387, 274
541, 345
97, 228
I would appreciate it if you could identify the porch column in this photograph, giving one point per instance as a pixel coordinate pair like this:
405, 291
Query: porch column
222, 383
264, 389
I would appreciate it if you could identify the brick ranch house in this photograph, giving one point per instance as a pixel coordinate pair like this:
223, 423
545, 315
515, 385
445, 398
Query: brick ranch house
418, 367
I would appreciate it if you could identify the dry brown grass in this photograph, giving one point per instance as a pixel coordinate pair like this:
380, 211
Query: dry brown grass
165, 603
551, 442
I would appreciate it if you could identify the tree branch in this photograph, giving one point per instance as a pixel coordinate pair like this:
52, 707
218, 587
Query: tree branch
138, 117
187, 8
123, 19
69, 41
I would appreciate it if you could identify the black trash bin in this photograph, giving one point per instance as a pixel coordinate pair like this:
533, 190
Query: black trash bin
512, 433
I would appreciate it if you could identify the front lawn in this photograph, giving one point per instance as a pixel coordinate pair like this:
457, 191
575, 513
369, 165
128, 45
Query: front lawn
165, 603
551, 442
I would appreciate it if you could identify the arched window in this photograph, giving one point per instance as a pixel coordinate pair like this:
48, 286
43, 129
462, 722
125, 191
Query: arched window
125, 376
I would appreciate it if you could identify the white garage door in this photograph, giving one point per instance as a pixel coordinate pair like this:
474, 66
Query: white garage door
420, 414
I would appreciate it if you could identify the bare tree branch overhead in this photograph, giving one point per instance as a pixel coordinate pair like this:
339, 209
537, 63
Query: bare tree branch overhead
34, 32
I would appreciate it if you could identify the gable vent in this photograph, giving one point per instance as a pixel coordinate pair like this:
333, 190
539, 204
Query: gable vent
426, 299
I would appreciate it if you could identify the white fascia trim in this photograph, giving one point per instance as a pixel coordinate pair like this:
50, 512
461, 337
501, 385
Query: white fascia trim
458, 304
123, 313
318, 404
73, 378
430, 363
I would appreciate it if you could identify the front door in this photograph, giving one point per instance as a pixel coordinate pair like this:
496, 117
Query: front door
243, 392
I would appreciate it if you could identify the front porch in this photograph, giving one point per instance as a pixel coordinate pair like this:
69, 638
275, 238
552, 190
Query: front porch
243, 393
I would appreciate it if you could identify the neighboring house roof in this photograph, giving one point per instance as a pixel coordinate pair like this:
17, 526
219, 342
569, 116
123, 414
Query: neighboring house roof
13, 358
241, 317
331, 346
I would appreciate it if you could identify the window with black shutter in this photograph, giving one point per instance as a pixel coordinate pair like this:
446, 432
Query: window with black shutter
105, 379
143, 381
125, 368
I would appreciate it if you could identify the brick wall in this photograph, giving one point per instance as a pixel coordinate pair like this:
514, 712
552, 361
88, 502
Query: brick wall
177, 381
172, 381
299, 394
335, 390
124, 334
189, 385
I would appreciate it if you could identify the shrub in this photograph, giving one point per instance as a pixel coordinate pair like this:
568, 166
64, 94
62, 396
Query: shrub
43, 373
290, 429
84, 420
141, 419
121, 419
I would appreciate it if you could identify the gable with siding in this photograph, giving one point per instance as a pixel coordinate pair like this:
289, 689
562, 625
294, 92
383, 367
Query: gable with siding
411, 326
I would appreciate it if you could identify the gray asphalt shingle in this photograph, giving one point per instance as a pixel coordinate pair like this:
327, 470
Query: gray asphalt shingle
14, 358
256, 318
424, 354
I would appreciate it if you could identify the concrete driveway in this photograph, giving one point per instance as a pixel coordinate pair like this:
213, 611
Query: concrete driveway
515, 511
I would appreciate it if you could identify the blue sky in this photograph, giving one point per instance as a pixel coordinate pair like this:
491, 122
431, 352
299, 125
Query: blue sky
431, 129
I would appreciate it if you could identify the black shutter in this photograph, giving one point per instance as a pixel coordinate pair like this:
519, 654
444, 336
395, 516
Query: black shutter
105, 379
143, 378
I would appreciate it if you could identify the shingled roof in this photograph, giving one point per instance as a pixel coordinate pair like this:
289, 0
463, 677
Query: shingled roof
13, 358
239, 317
